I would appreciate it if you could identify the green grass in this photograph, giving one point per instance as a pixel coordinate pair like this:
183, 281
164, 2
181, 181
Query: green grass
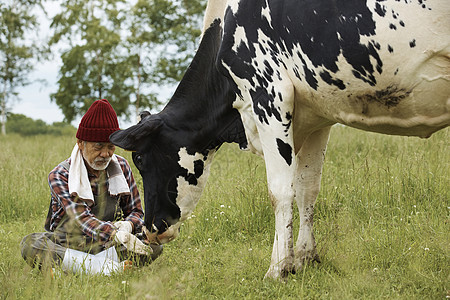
381, 224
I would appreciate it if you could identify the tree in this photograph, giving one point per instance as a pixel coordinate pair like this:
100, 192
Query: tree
123, 51
162, 36
17, 53
181, 40
92, 66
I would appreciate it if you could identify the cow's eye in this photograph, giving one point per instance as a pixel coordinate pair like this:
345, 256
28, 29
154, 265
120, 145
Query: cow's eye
138, 160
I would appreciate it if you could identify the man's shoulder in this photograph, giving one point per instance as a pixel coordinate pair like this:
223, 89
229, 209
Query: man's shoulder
122, 161
60, 170
121, 158
62, 166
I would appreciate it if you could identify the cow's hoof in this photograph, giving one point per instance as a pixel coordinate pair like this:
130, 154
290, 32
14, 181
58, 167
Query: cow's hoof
311, 257
279, 273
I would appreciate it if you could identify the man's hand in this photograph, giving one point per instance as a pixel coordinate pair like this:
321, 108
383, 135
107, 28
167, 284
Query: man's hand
132, 243
124, 226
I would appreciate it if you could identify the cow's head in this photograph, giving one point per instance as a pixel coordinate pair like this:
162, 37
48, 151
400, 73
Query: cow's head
173, 149
173, 178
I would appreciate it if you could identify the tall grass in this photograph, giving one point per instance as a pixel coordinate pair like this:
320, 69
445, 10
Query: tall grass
381, 224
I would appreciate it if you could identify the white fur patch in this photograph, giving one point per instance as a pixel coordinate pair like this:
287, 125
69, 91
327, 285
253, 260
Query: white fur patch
189, 194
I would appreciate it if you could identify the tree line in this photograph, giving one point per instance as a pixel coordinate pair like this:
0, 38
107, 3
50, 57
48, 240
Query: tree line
25, 126
122, 50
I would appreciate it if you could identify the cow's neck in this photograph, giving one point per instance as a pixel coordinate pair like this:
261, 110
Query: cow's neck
207, 121
201, 108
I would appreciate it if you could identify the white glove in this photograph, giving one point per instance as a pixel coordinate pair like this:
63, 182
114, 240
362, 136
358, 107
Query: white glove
132, 243
124, 226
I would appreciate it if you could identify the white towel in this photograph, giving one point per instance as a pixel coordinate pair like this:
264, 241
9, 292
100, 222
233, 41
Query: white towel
79, 184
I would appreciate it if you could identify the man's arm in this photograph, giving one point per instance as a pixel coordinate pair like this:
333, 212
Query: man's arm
131, 206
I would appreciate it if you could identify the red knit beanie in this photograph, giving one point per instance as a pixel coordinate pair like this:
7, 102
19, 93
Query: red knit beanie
98, 123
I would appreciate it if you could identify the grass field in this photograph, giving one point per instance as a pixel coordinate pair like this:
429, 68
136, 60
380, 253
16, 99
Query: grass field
381, 224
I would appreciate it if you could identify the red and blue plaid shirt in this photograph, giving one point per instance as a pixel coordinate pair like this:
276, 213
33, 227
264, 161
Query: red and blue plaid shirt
98, 230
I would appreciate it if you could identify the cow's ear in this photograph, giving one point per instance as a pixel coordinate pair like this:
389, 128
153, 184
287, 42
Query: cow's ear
130, 138
143, 115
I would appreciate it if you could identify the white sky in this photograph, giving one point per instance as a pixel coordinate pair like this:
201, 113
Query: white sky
34, 99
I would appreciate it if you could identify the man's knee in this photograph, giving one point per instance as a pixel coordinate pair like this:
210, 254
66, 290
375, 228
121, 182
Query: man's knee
26, 245
37, 249
27, 250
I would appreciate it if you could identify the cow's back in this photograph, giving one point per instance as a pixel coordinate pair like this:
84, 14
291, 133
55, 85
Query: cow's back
378, 65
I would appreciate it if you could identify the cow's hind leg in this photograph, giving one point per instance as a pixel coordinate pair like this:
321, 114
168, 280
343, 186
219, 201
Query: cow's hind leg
310, 161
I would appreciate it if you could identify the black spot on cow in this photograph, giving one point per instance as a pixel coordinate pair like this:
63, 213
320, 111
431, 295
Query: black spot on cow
328, 79
289, 116
263, 106
389, 97
285, 151
288, 124
322, 32
310, 75
402, 23
376, 44
268, 71
392, 26
394, 15
380, 9
412, 44
390, 49
199, 166
192, 178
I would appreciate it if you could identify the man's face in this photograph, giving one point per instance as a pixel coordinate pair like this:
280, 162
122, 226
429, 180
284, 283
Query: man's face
97, 154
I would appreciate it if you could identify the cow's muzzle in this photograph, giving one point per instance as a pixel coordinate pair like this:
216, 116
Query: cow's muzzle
167, 236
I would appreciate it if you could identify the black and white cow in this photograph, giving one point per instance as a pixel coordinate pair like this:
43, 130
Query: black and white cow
282, 73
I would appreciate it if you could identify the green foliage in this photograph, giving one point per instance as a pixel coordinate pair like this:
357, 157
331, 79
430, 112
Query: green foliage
17, 54
381, 224
92, 67
25, 126
121, 50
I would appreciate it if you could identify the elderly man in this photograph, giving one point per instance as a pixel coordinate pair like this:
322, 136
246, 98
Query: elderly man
95, 206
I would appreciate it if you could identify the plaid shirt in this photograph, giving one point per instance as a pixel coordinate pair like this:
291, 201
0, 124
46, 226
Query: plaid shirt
98, 230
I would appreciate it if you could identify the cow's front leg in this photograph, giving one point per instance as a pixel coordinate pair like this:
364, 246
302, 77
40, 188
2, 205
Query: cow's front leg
281, 195
280, 159
310, 162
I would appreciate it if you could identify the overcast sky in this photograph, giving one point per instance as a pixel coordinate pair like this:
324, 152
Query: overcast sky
34, 99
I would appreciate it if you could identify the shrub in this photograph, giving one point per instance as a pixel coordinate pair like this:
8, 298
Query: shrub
25, 126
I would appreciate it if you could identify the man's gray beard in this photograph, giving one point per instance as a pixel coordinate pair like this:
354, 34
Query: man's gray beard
93, 166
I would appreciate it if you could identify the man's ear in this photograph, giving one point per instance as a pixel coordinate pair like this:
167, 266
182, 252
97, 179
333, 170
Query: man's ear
80, 144
130, 138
